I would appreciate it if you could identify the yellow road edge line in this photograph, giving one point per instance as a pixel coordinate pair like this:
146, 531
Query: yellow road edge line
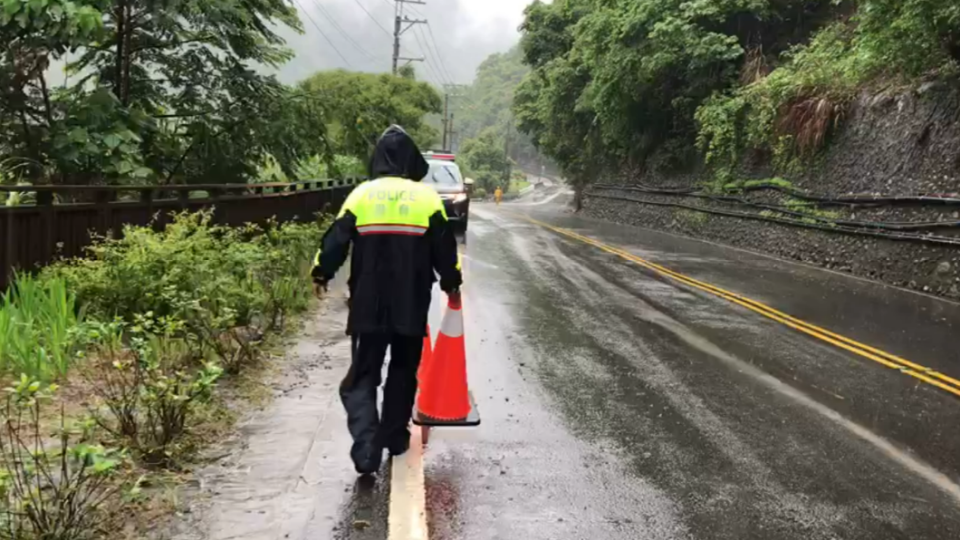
927, 375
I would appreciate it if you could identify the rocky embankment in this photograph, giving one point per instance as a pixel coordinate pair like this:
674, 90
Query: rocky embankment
891, 146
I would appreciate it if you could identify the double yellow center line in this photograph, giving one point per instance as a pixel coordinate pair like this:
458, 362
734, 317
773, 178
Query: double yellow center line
927, 375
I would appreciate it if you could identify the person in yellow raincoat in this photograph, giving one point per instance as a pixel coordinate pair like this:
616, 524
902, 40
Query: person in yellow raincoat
497, 195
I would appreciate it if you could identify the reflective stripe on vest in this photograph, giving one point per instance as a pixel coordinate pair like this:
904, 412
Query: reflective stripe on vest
409, 230
393, 206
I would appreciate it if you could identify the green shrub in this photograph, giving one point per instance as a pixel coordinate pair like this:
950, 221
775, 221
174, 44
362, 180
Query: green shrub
58, 487
222, 285
791, 112
270, 171
202, 274
316, 168
344, 166
37, 328
311, 168
149, 382
186, 305
287, 251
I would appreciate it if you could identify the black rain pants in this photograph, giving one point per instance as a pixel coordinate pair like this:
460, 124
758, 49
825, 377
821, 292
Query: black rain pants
358, 391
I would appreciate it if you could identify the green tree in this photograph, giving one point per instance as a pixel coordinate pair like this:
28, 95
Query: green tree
548, 103
357, 107
483, 159
160, 90
35, 35
407, 72
488, 100
634, 84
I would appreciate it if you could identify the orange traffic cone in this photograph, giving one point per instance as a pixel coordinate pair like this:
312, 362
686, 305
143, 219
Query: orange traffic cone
426, 358
445, 398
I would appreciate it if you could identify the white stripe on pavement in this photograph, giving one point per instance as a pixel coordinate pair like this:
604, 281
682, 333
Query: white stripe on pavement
408, 505
408, 497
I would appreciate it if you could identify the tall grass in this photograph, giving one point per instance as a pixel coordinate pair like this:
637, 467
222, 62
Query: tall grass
37, 328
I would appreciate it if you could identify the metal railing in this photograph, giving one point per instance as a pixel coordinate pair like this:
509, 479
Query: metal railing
60, 221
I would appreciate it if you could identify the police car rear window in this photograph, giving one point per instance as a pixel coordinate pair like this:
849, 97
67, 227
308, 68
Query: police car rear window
444, 174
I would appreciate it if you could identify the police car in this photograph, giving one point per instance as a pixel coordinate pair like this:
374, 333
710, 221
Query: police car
444, 176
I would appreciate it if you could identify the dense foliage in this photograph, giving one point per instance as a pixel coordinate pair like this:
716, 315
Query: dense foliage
120, 91
483, 159
487, 102
638, 84
145, 328
204, 280
359, 106
491, 142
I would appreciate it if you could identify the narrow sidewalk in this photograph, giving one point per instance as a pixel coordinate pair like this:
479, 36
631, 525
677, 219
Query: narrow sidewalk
288, 475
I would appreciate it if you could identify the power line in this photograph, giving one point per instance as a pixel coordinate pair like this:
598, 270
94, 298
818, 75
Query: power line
315, 25
416, 12
342, 32
374, 19
436, 48
425, 48
438, 78
398, 29
310, 94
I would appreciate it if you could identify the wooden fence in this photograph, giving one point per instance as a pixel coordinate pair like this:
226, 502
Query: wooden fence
35, 234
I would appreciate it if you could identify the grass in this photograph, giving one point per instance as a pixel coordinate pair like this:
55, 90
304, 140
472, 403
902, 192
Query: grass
810, 208
747, 184
37, 328
516, 186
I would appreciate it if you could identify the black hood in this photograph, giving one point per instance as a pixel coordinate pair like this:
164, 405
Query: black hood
397, 155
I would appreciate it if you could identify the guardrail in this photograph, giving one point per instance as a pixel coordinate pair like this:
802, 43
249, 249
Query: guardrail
60, 221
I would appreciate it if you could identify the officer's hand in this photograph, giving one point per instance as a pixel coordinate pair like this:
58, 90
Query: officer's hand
319, 287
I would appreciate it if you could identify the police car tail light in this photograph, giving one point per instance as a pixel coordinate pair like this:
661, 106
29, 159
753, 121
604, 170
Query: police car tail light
460, 198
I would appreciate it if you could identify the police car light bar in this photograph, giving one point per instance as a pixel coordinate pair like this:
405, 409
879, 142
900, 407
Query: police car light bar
445, 157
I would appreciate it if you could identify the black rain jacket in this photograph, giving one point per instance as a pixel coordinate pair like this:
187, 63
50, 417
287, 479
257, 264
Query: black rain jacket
400, 236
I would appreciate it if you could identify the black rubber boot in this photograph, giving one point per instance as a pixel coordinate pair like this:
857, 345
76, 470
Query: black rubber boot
366, 458
400, 444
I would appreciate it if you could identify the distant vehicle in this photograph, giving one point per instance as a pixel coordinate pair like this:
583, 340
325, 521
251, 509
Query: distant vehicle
444, 176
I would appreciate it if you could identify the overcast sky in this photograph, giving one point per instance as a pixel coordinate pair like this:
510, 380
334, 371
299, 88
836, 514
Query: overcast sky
460, 35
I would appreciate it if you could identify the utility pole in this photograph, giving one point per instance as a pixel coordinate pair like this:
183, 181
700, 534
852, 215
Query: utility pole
450, 90
446, 119
399, 20
506, 152
453, 135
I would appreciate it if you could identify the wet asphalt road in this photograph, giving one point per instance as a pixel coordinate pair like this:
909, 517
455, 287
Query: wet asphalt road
619, 404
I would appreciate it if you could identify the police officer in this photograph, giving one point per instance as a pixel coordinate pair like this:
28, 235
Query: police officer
401, 237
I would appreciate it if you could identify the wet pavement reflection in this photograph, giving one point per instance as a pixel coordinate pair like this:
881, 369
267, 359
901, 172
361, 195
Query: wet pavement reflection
617, 404
364, 515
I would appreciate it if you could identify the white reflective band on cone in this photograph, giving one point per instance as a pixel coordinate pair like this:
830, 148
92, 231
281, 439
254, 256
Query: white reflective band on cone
452, 325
